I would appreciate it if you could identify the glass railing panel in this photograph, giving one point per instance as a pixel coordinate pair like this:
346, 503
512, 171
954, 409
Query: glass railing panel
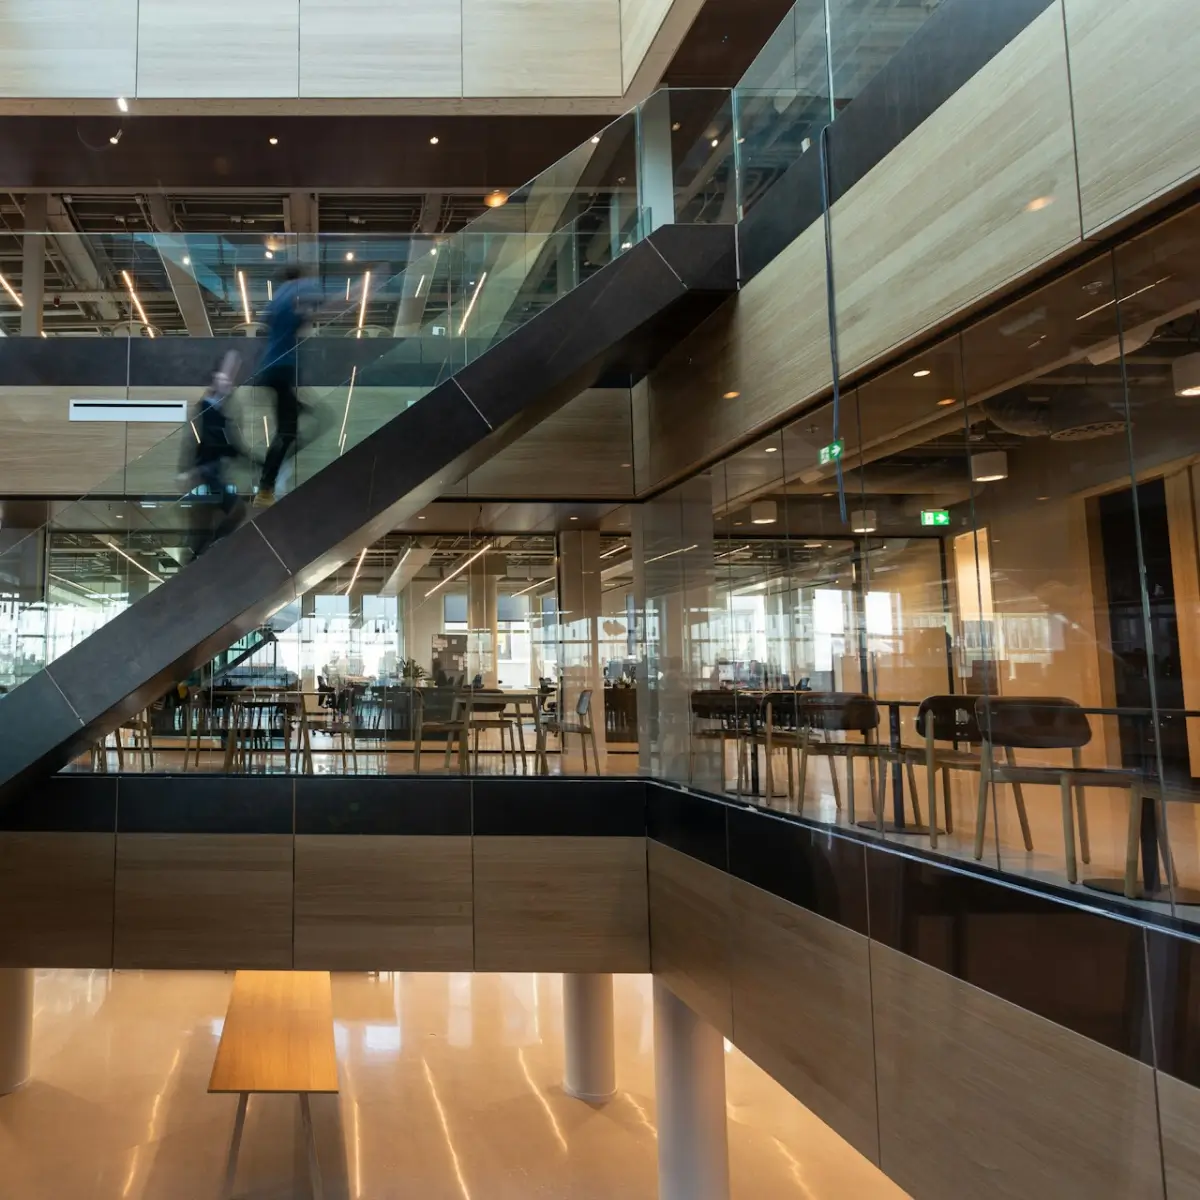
783, 100
864, 36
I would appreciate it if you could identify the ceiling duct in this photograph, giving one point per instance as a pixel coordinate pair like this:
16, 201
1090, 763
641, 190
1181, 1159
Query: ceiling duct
1072, 416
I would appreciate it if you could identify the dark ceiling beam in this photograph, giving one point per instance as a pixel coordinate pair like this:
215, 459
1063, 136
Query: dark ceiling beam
390, 154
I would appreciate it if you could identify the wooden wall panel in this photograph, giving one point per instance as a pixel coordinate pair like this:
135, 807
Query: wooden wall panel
383, 903
1137, 92
68, 48
584, 450
218, 48
365, 48
561, 904
980, 1098
689, 932
56, 899
1179, 1111
770, 344
640, 21
982, 192
802, 1009
541, 48
195, 901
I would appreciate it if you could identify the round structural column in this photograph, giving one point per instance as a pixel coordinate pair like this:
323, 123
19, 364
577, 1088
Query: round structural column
689, 1080
590, 1066
16, 1026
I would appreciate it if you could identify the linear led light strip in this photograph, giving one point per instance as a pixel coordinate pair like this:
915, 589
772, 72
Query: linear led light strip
669, 553
346, 414
357, 568
8, 287
141, 312
615, 550
362, 308
1100, 308
459, 569
76, 586
474, 296
731, 553
540, 583
114, 546
245, 298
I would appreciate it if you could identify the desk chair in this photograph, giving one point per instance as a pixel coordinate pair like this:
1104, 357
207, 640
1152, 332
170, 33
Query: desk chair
1033, 723
489, 710
714, 718
840, 712
443, 711
582, 725
942, 719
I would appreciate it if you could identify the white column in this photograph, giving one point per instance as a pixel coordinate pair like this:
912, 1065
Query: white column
589, 1069
16, 1026
689, 1080
33, 264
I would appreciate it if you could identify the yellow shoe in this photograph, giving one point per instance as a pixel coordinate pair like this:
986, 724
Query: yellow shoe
264, 498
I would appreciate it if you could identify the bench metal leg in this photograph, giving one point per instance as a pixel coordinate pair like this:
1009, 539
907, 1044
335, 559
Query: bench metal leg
314, 1167
235, 1144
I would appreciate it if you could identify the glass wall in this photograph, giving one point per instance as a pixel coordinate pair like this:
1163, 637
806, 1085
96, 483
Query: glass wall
970, 619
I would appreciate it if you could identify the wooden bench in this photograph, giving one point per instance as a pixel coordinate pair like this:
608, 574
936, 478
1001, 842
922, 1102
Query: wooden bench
278, 1037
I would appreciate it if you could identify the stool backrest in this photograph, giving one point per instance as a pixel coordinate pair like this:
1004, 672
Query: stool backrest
952, 719
437, 704
1032, 722
849, 712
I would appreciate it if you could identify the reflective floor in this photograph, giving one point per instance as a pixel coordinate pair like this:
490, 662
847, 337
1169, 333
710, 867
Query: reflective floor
451, 1088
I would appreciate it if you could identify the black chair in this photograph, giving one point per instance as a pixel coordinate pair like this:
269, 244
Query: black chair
840, 712
940, 719
1050, 723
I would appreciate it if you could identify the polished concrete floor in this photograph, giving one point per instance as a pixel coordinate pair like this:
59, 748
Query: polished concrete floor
450, 1090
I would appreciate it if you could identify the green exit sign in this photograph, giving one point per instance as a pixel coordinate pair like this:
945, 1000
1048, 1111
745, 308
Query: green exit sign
935, 516
832, 452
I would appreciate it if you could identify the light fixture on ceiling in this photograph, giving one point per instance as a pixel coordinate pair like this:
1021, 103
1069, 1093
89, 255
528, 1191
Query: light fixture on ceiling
268, 254
137, 304
421, 518
116, 137
572, 518
922, 373
764, 512
245, 296
1038, 203
596, 140
8, 287
122, 104
813, 545
863, 521
1185, 374
349, 255
731, 395
471, 306
496, 198
771, 450
273, 141
433, 141
949, 400
715, 143
675, 126
988, 466
362, 308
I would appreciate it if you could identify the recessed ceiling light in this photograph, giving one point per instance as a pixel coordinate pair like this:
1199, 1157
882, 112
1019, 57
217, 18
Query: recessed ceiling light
268, 254
433, 141
947, 402
116, 137
496, 198
627, 464
739, 522
1040, 498
732, 395
922, 373
715, 143
770, 449
676, 126
1038, 203
122, 104
828, 495
596, 140
349, 255
420, 518
572, 518
273, 141
187, 261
